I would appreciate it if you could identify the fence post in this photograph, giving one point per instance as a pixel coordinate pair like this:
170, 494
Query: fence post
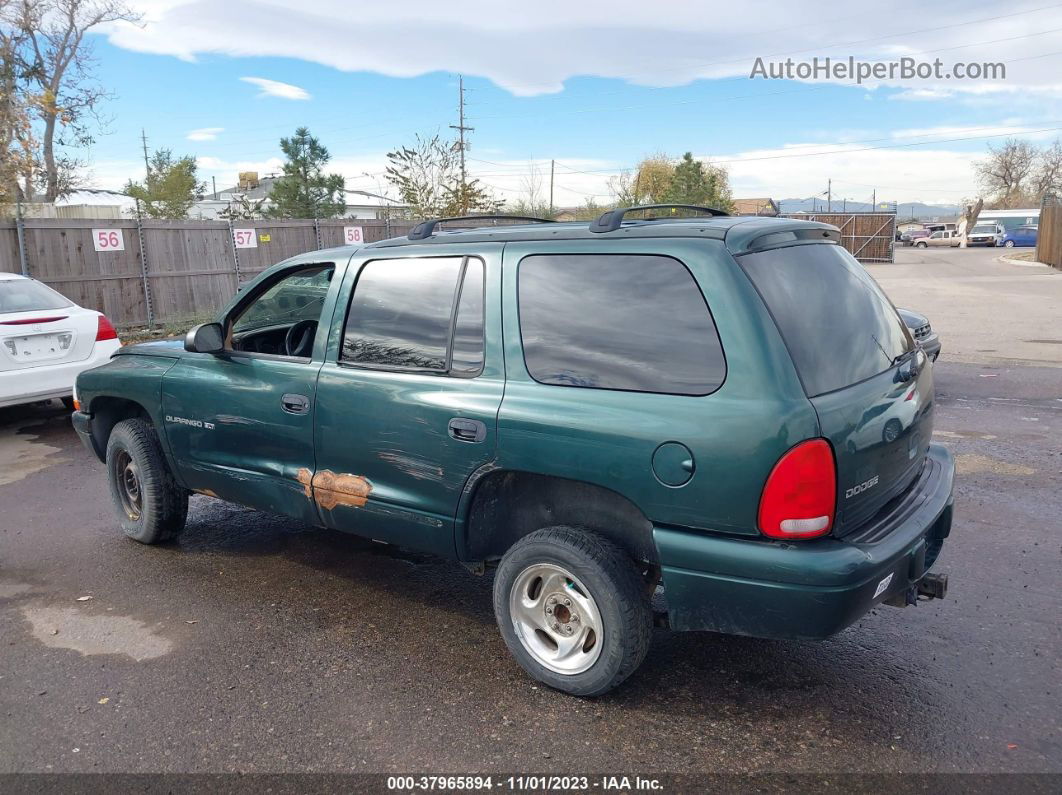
235, 254
144, 272
317, 232
20, 231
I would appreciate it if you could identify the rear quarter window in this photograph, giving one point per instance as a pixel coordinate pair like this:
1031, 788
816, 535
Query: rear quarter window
617, 321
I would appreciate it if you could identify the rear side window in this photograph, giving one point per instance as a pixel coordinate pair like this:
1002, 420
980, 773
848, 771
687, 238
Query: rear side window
417, 314
837, 323
25, 295
617, 321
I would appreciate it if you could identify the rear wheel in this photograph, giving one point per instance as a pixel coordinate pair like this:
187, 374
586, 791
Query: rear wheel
1008, 244
573, 610
920, 244
151, 506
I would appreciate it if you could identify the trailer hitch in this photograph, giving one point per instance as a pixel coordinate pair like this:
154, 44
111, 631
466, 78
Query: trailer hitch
931, 586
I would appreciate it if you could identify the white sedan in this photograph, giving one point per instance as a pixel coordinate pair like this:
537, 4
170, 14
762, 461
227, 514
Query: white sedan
45, 341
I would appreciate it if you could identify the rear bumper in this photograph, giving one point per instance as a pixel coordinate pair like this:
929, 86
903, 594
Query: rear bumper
810, 589
50, 380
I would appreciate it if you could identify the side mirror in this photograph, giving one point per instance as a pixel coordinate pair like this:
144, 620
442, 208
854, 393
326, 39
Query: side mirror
205, 338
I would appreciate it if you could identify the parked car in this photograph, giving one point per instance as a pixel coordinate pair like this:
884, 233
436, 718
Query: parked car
986, 234
1020, 236
922, 331
45, 341
602, 412
940, 238
914, 236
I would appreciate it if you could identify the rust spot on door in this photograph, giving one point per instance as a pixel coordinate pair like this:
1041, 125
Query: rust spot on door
331, 489
305, 477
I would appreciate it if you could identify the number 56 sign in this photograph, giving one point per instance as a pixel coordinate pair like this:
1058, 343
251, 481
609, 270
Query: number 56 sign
108, 240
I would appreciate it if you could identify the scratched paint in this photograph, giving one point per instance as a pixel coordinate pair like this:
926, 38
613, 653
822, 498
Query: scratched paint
415, 467
331, 489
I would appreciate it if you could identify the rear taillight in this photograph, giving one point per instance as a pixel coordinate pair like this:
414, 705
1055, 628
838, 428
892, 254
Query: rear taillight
105, 331
800, 496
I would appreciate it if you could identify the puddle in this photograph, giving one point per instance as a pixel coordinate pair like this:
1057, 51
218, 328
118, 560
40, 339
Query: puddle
73, 628
963, 435
973, 463
9, 589
21, 455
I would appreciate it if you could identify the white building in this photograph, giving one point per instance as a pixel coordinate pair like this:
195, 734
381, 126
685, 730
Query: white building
252, 189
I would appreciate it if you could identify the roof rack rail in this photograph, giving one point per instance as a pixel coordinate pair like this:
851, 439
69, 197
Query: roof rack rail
611, 220
426, 228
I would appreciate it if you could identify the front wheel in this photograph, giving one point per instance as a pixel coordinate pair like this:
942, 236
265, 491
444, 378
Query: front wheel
573, 610
151, 506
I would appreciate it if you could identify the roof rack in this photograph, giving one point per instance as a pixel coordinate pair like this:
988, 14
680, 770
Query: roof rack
426, 228
611, 220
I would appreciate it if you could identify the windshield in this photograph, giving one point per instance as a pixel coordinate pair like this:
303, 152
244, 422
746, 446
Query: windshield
837, 323
26, 295
984, 229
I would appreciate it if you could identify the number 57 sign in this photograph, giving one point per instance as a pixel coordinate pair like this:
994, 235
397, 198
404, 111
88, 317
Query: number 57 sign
108, 240
245, 238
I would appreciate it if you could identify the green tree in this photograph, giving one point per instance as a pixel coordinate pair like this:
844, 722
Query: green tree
305, 191
427, 177
695, 182
171, 187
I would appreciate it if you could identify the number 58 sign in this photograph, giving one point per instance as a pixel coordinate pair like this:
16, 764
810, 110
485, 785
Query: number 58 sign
108, 240
353, 235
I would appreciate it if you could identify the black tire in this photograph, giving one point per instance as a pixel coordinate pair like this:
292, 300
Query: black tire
610, 578
158, 511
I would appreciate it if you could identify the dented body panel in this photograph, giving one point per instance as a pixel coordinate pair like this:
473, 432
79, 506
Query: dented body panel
391, 428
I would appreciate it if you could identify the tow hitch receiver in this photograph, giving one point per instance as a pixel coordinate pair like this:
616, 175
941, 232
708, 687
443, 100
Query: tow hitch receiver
931, 586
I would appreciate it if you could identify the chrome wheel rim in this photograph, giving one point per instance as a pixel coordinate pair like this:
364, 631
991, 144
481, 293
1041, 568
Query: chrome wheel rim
127, 477
556, 619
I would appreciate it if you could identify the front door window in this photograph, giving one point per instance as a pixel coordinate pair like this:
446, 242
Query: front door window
282, 318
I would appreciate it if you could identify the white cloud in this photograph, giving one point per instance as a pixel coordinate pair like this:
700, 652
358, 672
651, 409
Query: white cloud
205, 133
274, 88
533, 49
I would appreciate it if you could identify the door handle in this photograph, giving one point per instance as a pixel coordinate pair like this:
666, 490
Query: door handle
295, 404
467, 430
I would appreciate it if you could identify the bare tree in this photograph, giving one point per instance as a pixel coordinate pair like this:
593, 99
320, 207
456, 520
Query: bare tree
1047, 179
17, 143
1005, 172
531, 200
427, 178
57, 62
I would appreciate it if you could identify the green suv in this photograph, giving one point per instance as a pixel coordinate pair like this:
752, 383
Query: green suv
715, 423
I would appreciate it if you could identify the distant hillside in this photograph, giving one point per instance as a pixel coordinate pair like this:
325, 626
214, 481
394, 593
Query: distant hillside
906, 209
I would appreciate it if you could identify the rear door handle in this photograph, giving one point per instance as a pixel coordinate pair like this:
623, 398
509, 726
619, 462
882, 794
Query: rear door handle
464, 430
295, 404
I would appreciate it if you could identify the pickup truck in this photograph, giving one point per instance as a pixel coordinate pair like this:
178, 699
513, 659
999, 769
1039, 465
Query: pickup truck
714, 423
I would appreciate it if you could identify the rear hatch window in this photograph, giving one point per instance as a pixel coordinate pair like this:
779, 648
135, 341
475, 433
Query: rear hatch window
854, 356
837, 323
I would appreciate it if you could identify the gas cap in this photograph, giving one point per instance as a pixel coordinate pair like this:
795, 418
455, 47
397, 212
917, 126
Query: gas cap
673, 464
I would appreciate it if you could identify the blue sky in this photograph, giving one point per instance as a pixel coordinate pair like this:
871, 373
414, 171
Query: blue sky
594, 96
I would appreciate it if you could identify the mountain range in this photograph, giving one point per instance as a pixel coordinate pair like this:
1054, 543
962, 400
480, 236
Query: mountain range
905, 209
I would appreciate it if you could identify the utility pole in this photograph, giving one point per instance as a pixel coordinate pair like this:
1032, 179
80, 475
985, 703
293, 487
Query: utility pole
874, 200
829, 195
461, 130
551, 164
147, 168
214, 184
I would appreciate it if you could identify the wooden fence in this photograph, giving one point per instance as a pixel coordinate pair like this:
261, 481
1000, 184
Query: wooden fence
1049, 235
163, 271
869, 236
176, 271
